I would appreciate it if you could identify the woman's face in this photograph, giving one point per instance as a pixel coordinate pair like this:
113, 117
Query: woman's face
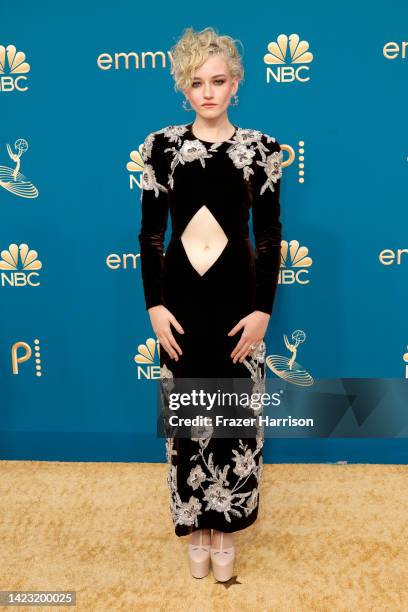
213, 84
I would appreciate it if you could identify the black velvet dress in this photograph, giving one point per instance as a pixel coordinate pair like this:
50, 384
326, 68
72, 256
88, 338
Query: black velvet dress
213, 482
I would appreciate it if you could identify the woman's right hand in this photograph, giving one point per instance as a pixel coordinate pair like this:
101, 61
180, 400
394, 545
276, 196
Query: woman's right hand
161, 318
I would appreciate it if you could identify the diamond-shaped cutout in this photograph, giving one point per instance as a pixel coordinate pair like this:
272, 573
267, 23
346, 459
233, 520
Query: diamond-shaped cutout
203, 240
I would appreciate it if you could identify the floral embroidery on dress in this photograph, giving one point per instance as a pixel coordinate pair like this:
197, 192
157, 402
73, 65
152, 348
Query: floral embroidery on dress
242, 157
183, 513
252, 502
255, 362
218, 495
197, 476
273, 170
244, 463
190, 151
147, 146
246, 136
245, 144
167, 378
149, 180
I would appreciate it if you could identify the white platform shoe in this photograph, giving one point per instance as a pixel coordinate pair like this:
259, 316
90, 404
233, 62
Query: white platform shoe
222, 561
199, 557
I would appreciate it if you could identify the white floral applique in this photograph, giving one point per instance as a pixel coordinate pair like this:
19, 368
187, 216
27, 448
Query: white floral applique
242, 157
255, 362
252, 502
183, 513
247, 143
248, 137
244, 463
149, 180
272, 165
189, 151
218, 494
167, 378
197, 476
148, 146
244, 145
166, 386
174, 133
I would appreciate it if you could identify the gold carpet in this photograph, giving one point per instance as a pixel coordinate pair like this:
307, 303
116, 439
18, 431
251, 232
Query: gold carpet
328, 538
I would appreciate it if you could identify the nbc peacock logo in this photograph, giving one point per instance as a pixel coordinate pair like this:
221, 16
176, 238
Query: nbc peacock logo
13, 69
288, 50
11, 179
135, 167
19, 266
295, 263
146, 360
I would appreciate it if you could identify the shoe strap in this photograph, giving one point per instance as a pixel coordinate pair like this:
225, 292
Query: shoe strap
225, 551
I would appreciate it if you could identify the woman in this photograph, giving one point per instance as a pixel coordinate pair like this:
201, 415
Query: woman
210, 298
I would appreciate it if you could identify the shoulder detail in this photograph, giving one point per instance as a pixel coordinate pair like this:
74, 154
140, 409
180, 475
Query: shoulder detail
146, 150
271, 142
169, 134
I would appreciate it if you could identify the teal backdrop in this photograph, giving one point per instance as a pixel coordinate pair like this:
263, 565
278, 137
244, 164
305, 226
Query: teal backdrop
81, 85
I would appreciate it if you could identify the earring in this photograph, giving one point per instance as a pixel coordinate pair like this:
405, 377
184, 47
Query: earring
235, 101
185, 105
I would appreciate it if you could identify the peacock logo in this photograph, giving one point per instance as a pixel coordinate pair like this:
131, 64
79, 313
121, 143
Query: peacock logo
286, 59
19, 266
147, 367
135, 167
13, 68
295, 261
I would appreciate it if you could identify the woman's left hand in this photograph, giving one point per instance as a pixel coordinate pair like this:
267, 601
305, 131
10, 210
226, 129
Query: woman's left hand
255, 326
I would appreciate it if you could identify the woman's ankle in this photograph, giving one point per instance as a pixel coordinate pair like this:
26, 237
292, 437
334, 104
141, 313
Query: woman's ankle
195, 536
228, 539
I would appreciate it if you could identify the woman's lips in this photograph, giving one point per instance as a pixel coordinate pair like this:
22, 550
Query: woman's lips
209, 105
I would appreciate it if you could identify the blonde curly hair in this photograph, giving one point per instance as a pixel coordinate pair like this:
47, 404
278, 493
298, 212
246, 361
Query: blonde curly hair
194, 48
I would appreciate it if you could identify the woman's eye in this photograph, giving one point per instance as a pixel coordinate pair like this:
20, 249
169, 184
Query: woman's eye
216, 81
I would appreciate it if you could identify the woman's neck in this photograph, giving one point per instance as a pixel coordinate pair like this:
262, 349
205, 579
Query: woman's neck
215, 130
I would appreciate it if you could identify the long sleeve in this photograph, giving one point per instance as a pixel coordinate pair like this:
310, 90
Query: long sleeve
266, 223
155, 206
